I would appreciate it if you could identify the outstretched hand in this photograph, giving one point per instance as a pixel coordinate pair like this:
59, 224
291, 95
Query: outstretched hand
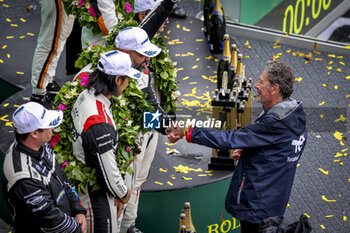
175, 133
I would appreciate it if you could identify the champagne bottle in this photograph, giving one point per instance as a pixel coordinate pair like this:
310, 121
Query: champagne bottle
217, 25
189, 224
232, 68
224, 61
239, 71
182, 222
206, 12
183, 229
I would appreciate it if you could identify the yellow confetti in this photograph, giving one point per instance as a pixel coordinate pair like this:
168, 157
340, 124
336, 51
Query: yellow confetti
322, 227
185, 78
8, 20
344, 218
162, 170
289, 50
209, 171
323, 171
9, 37
340, 57
30, 34
336, 160
337, 155
5, 105
19, 72
13, 25
186, 178
329, 67
288, 205
329, 216
23, 20
177, 25
5, 46
186, 169
347, 77
336, 87
341, 163
246, 43
191, 54
209, 57
308, 216
343, 150
173, 177
298, 79
8, 56
169, 183
322, 103
342, 63
179, 42
1, 61
341, 118
347, 96
3, 118
326, 200
199, 40
202, 174
191, 83
5, 5
179, 69
22, 37
216, 60
347, 46
349, 179
321, 116
194, 67
298, 165
169, 144
325, 85
156, 182
9, 124
277, 46
317, 52
198, 59
331, 55
318, 59
339, 70
168, 32
330, 63
186, 29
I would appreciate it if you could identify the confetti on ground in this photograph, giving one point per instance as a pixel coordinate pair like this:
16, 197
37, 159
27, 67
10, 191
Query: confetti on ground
347, 77
185, 78
341, 118
9, 37
339, 70
8, 56
19, 72
186, 178
8, 20
323, 227
329, 216
169, 183
186, 29
172, 151
169, 144
179, 69
199, 40
23, 20
331, 55
194, 67
3, 118
5, 5
5, 46
323, 171
298, 165
191, 83
337, 155
5, 105
326, 200
13, 25
344, 218
308, 216
1, 61
186, 169
321, 116
30, 34
342, 63
202, 174
209, 57
322, 103
338, 135
162, 170
336, 87
298, 79
329, 67
288, 205
156, 182
173, 177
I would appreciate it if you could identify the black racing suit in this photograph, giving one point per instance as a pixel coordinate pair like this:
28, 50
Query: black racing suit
39, 195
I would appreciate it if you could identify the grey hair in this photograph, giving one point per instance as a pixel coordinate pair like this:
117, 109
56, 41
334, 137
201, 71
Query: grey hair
279, 72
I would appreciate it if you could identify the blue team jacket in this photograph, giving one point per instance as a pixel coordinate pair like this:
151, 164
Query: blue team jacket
262, 181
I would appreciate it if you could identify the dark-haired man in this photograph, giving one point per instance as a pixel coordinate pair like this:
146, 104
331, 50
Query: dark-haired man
39, 195
263, 179
95, 139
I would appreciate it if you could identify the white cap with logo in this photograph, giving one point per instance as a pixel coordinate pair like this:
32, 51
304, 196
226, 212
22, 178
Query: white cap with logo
32, 116
117, 63
136, 39
144, 5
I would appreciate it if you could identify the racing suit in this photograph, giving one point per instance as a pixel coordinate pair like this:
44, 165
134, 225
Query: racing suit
39, 194
95, 139
55, 27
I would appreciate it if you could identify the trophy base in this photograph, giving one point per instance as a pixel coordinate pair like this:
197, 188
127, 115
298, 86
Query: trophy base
221, 163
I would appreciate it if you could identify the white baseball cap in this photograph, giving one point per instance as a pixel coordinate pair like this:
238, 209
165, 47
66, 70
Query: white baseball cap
144, 5
117, 63
32, 116
136, 39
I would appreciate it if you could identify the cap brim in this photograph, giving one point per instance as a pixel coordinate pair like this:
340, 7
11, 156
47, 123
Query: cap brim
134, 74
53, 118
149, 50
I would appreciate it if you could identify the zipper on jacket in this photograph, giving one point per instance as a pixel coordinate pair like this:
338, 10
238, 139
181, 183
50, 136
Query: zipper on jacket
240, 191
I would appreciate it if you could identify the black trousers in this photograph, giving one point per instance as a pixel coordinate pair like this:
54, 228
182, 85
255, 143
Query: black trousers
247, 227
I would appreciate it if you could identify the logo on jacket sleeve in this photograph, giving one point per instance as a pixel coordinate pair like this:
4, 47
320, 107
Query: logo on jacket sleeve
298, 143
151, 120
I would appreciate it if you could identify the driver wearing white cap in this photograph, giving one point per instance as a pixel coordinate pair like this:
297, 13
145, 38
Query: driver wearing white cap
95, 139
39, 195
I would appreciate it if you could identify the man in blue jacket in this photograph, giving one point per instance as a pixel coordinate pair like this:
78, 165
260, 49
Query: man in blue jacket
263, 179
